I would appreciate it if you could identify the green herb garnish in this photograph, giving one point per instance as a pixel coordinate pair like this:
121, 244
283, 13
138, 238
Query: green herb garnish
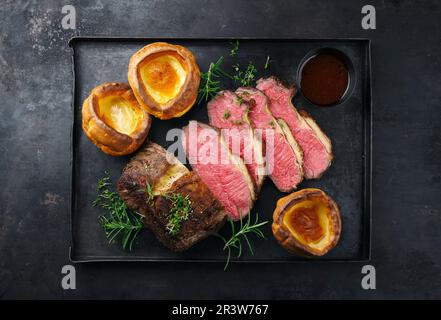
237, 122
119, 221
148, 190
267, 62
227, 114
244, 77
240, 100
235, 48
245, 229
210, 84
179, 212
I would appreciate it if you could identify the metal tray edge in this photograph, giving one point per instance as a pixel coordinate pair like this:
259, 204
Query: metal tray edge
368, 159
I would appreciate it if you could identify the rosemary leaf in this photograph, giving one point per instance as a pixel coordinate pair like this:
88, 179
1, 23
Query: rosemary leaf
148, 193
267, 62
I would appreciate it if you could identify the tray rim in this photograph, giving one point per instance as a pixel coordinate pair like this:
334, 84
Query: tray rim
366, 249
74, 39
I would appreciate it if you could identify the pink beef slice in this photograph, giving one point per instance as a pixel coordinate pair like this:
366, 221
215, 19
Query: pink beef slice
285, 162
224, 174
316, 146
228, 113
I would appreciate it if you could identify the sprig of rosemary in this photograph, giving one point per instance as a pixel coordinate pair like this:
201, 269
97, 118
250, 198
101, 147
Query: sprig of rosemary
119, 221
245, 229
210, 84
179, 212
244, 77
235, 48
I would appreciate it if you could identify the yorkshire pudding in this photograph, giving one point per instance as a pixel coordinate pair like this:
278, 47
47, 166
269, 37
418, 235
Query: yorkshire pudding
307, 222
165, 79
113, 119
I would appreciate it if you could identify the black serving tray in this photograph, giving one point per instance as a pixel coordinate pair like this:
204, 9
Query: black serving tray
348, 180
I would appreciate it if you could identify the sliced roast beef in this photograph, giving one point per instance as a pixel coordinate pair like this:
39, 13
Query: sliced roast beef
229, 113
224, 173
283, 155
316, 146
159, 169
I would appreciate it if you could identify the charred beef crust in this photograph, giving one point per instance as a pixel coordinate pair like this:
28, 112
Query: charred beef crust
207, 217
149, 165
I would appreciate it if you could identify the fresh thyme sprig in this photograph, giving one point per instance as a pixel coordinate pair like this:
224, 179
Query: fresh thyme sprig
237, 235
244, 77
179, 212
235, 48
119, 221
210, 84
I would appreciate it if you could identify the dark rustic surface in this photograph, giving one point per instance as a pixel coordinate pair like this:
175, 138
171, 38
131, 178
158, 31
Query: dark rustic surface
35, 132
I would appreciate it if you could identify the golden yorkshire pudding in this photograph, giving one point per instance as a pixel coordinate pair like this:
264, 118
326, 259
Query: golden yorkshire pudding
307, 222
165, 79
113, 119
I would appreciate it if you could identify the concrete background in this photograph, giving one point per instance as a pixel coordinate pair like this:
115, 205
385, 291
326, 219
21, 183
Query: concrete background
35, 87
